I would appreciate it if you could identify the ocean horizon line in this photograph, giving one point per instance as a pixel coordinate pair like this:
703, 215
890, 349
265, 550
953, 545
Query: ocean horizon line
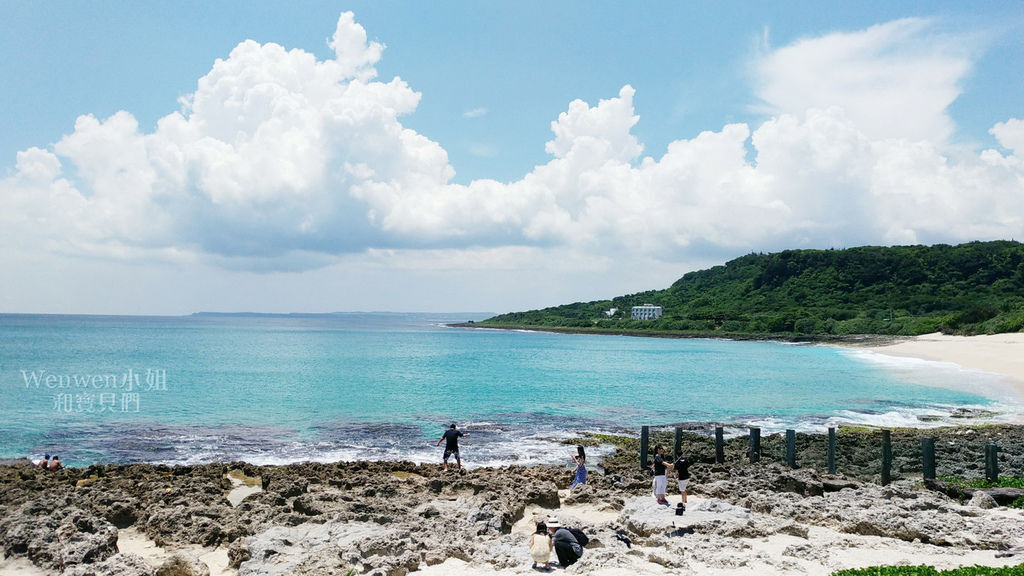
246, 314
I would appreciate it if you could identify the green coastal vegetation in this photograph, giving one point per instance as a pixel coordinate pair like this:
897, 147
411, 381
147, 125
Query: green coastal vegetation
972, 288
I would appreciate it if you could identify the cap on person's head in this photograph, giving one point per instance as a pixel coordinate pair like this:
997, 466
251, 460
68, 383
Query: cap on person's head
553, 522
46, 456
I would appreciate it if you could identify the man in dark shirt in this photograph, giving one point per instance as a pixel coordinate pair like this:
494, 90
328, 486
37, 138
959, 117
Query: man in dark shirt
682, 468
660, 483
567, 547
451, 446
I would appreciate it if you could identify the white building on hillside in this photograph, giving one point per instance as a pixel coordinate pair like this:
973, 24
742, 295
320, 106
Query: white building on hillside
646, 312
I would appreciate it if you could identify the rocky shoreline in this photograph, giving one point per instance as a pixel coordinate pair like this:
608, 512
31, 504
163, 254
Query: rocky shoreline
861, 340
394, 518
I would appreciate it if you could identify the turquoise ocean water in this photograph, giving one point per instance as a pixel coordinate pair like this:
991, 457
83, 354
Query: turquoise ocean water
276, 389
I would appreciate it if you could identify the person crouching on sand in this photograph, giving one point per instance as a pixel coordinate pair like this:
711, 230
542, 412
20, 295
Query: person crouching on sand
541, 546
660, 484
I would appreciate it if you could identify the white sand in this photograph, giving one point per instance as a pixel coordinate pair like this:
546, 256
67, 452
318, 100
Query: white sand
20, 567
134, 541
997, 353
242, 487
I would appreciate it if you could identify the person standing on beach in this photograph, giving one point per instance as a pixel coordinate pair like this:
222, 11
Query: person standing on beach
682, 469
451, 446
660, 484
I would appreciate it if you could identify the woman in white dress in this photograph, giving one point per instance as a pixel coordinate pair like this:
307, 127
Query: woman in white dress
541, 546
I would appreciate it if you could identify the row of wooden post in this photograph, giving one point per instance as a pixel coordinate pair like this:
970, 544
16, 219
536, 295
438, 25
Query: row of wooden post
754, 452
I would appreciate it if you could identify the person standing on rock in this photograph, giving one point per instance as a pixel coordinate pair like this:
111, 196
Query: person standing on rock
682, 470
660, 484
451, 446
581, 471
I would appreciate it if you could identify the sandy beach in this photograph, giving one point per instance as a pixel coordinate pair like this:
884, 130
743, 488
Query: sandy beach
997, 353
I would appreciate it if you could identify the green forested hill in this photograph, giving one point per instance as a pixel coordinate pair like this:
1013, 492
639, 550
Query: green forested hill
902, 290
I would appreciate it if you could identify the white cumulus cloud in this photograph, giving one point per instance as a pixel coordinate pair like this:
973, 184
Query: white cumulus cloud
281, 161
894, 80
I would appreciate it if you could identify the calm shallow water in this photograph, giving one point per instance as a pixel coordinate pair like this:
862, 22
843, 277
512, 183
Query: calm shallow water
384, 386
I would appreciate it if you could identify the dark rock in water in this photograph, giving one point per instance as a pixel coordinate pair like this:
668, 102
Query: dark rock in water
971, 413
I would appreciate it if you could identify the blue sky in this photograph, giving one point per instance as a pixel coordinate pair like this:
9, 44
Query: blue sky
484, 156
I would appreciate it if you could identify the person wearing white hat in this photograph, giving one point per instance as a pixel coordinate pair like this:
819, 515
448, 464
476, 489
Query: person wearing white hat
567, 547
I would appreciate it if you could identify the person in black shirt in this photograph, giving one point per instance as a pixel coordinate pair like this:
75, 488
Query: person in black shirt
682, 469
451, 446
660, 484
567, 547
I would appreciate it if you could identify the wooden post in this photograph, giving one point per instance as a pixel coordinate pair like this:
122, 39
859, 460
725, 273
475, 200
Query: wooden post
791, 448
886, 457
754, 452
992, 463
928, 457
831, 455
645, 433
719, 445
679, 443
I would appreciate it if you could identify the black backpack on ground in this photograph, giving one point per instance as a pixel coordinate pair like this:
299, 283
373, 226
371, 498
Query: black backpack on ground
579, 535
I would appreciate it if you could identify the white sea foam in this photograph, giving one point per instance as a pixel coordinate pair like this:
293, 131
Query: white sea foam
938, 373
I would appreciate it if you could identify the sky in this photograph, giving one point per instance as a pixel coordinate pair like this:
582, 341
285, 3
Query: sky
169, 158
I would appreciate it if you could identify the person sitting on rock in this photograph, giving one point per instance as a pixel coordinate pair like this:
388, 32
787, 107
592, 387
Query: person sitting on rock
567, 547
45, 462
541, 546
56, 464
